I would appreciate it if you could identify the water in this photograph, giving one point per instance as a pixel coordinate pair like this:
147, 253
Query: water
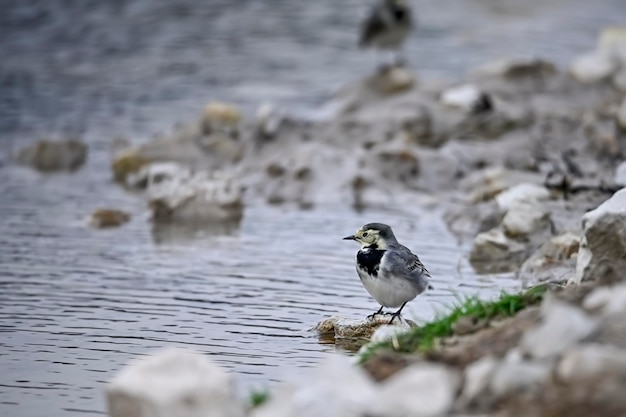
76, 304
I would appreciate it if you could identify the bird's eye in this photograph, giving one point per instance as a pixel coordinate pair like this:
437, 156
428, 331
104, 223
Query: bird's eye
364, 234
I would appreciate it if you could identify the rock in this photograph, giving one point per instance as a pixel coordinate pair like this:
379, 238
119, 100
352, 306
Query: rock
387, 331
511, 377
621, 116
268, 121
620, 175
437, 170
612, 41
590, 361
592, 67
395, 79
199, 197
554, 261
219, 116
604, 238
477, 379
495, 250
106, 218
127, 162
518, 68
58, 155
484, 185
467, 221
152, 174
422, 389
563, 325
397, 162
349, 328
335, 388
607, 301
524, 218
173, 383
521, 192
464, 96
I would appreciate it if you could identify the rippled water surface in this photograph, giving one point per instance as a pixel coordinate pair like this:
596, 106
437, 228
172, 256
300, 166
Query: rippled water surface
76, 304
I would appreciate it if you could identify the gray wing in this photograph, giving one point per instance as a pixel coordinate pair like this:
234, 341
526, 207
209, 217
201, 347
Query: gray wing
402, 262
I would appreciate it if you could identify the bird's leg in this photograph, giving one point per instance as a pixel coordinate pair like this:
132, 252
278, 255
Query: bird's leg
380, 311
397, 313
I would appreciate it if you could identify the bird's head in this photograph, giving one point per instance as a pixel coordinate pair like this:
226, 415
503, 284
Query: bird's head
373, 234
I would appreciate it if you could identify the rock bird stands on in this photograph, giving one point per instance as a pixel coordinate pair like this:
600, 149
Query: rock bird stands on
389, 271
387, 25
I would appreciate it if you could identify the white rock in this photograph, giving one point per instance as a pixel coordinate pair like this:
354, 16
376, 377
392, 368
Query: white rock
621, 122
202, 196
386, 332
593, 67
604, 237
157, 172
173, 383
562, 326
463, 96
268, 120
524, 217
511, 377
478, 377
521, 192
590, 361
418, 390
335, 389
612, 41
608, 300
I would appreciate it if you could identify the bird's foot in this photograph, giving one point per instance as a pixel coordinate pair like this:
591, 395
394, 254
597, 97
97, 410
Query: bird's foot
393, 316
380, 311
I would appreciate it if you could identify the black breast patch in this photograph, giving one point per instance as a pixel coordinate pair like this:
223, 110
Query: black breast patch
369, 260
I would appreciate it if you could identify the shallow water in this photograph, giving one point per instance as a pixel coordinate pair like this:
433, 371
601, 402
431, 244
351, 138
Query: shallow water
76, 304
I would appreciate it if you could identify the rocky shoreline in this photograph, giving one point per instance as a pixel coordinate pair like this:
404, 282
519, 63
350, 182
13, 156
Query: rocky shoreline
527, 161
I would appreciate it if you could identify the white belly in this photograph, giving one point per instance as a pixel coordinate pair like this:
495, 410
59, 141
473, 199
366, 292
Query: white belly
388, 292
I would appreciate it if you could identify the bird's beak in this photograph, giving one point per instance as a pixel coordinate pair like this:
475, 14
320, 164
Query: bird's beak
351, 237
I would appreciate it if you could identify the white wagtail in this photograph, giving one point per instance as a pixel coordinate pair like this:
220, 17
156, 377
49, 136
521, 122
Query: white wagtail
387, 25
389, 271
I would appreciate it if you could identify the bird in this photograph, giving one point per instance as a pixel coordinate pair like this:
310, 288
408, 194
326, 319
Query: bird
388, 270
387, 25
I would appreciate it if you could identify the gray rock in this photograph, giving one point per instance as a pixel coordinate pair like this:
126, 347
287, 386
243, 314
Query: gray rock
467, 221
335, 388
562, 326
607, 300
387, 332
620, 117
554, 261
495, 249
196, 198
620, 172
590, 361
49, 155
173, 383
477, 378
422, 389
511, 377
516, 68
524, 218
604, 238
593, 67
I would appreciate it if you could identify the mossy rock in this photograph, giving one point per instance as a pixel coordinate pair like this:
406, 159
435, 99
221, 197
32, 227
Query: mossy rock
126, 163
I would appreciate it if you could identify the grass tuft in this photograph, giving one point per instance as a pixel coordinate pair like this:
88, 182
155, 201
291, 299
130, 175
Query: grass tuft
422, 339
259, 397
